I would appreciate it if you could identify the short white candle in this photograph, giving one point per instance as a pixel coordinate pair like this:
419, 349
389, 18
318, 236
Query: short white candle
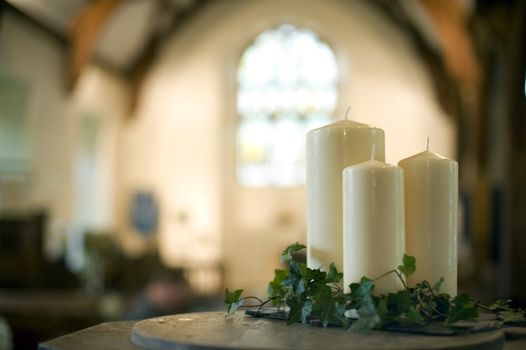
431, 203
329, 150
373, 224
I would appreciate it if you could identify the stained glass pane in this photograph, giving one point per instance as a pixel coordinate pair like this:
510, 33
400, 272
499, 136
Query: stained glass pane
287, 85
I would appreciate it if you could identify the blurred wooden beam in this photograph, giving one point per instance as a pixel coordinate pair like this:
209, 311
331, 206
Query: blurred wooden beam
84, 34
446, 88
140, 67
7, 8
450, 19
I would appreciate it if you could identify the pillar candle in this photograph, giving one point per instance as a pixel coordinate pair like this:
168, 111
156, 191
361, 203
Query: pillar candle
373, 224
431, 202
329, 150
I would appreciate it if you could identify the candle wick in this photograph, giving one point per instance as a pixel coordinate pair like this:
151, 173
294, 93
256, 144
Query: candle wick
372, 151
347, 113
427, 144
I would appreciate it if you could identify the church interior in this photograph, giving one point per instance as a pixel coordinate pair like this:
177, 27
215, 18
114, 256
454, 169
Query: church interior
152, 152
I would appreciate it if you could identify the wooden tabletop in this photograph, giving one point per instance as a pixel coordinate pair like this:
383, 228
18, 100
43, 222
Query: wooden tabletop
210, 330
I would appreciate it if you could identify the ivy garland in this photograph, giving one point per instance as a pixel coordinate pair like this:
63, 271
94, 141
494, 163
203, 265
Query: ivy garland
312, 294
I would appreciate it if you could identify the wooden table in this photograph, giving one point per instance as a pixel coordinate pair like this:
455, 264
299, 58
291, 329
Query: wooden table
210, 330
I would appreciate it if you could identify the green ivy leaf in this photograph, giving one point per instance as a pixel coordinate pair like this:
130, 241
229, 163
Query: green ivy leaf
315, 275
276, 289
414, 317
286, 255
511, 316
324, 305
500, 305
315, 281
339, 311
369, 317
463, 308
506, 313
300, 288
400, 301
442, 303
233, 300
400, 307
408, 266
362, 299
383, 309
295, 280
333, 276
361, 290
295, 304
462, 299
306, 311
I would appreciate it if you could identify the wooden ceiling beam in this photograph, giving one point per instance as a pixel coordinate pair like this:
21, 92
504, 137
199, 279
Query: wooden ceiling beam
140, 67
84, 34
450, 18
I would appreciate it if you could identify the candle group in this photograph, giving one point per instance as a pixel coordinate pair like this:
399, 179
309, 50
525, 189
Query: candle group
364, 214
329, 150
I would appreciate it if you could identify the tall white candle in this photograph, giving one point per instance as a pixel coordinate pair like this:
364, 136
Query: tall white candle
373, 223
431, 202
329, 150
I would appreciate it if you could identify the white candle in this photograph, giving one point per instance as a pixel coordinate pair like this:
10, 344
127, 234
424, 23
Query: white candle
431, 202
329, 150
373, 223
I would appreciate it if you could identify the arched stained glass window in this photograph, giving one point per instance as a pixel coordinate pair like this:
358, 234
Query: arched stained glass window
287, 84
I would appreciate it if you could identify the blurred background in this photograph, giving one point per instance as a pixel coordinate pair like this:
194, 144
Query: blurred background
152, 151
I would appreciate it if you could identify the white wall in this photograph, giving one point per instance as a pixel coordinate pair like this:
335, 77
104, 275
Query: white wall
53, 122
180, 142
39, 60
105, 98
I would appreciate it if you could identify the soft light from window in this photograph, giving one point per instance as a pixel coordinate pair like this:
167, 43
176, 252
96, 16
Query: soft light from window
287, 85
